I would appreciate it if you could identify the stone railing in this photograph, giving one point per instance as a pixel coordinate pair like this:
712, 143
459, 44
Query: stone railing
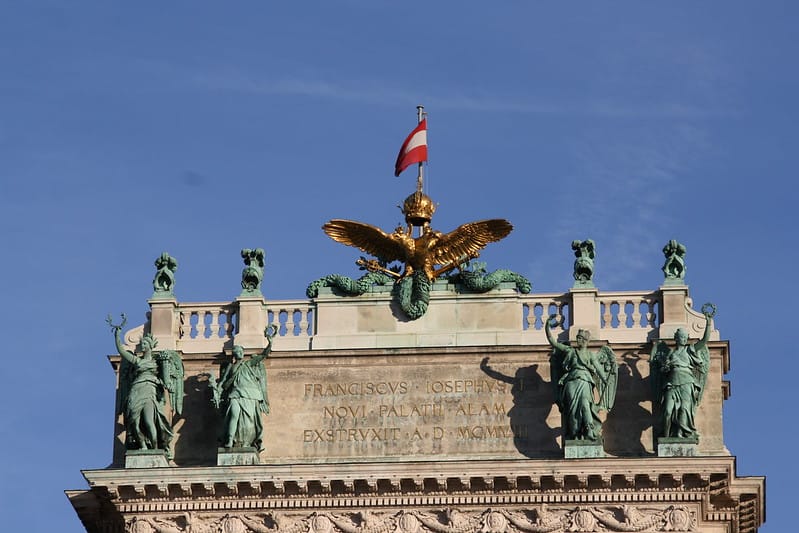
499, 317
204, 327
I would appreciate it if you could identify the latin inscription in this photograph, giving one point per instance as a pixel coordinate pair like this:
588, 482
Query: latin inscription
423, 415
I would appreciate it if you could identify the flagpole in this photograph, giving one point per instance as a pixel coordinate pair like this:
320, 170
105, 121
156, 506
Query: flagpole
419, 178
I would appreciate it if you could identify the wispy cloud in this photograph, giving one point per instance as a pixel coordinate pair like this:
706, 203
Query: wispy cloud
627, 198
378, 93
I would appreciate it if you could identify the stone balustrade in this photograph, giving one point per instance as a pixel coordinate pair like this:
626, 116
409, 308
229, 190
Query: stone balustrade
502, 316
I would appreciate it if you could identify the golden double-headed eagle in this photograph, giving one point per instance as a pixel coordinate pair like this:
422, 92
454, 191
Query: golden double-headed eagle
431, 252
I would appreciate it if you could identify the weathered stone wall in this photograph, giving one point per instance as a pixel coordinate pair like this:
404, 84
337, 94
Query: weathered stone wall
425, 403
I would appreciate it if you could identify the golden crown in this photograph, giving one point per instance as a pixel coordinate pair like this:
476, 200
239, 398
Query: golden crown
418, 209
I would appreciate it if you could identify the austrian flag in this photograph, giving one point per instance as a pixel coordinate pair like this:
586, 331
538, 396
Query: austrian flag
414, 149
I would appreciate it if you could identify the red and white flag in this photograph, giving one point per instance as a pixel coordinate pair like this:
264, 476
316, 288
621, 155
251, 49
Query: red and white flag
414, 149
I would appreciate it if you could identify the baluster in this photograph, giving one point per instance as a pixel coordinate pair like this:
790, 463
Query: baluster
311, 321
215, 323
607, 316
304, 322
183, 324
206, 327
622, 314
637, 315
231, 323
651, 317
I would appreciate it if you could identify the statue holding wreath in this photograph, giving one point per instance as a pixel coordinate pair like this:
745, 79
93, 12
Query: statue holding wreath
679, 376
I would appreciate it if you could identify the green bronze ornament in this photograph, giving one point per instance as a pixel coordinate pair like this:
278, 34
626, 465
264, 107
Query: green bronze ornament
679, 376
253, 273
348, 285
476, 279
577, 373
674, 267
584, 264
241, 397
424, 254
145, 381
164, 280
412, 293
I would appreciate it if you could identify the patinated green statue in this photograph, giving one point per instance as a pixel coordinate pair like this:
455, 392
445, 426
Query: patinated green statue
678, 377
674, 267
474, 277
164, 280
253, 273
576, 374
145, 380
413, 293
241, 397
584, 264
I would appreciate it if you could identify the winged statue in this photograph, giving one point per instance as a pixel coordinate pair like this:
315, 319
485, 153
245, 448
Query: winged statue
145, 381
577, 373
678, 375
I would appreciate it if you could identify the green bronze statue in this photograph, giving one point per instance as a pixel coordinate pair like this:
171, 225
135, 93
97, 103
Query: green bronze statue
253, 273
164, 280
145, 380
584, 251
241, 397
577, 373
678, 377
674, 267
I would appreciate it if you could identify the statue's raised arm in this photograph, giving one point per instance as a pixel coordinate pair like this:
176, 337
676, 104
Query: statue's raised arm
709, 310
552, 320
116, 328
269, 333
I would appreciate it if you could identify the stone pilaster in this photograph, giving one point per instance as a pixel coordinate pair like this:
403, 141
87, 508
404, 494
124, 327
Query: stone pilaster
673, 312
251, 322
584, 312
164, 322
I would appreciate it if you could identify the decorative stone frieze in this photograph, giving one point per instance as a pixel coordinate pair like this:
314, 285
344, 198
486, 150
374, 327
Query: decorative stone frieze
543, 518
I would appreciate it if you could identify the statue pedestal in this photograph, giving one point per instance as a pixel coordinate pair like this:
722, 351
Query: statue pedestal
584, 312
583, 449
252, 322
237, 456
164, 321
677, 447
146, 459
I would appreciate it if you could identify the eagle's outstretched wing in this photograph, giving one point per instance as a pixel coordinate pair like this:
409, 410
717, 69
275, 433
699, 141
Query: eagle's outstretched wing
467, 240
368, 238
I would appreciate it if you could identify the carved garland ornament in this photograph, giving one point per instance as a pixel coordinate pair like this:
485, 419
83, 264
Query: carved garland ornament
542, 519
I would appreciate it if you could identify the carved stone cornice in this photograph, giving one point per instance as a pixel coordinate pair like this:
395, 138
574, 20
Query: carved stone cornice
707, 484
641, 474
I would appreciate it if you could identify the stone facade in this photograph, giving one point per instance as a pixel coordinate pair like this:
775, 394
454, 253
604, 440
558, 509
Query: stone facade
446, 423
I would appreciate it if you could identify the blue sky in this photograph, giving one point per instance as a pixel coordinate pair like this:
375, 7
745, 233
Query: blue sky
202, 129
